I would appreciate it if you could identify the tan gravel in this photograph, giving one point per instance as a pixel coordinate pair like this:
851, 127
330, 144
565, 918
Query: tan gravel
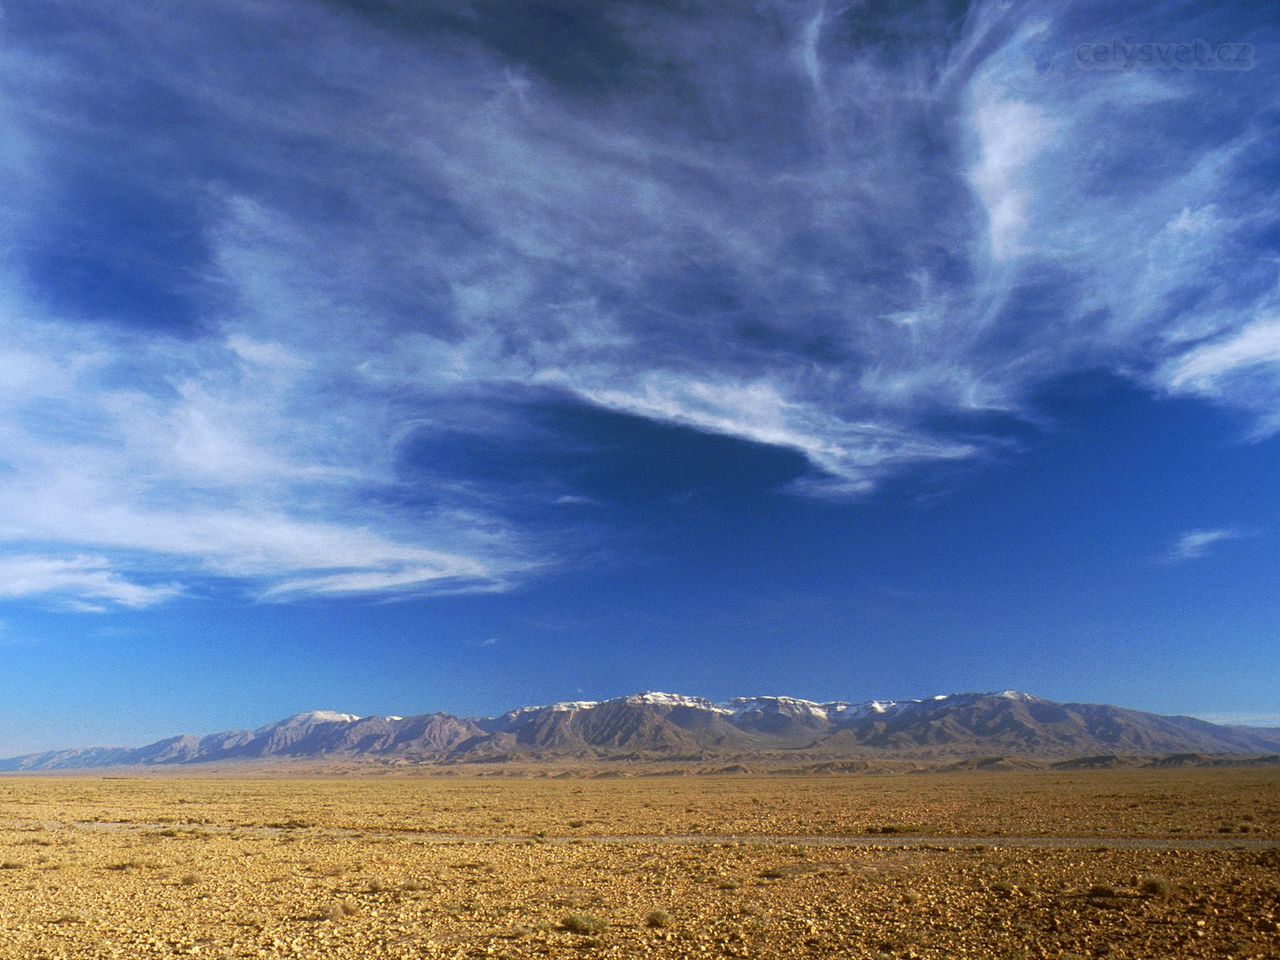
429, 866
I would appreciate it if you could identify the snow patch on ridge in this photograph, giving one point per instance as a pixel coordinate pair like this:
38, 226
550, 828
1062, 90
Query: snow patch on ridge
564, 706
316, 716
833, 710
1015, 695
325, 716
672, 700
793, 706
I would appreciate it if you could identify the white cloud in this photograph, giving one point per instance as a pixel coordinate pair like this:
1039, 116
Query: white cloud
263, 354
211, 471
1195, 543
446, 575
1011, 134
84, 583
803, 241
850, 454
1254, 345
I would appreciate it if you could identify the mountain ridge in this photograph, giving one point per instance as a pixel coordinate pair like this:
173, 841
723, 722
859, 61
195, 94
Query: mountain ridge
656, 726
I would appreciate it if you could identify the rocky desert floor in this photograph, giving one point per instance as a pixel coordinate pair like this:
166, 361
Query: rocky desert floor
1043, 864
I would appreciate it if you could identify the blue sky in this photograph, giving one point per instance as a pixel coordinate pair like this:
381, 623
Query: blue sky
391, 357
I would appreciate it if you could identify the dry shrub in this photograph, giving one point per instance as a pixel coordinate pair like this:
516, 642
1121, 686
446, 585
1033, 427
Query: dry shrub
584, 923
1155, 887
346, 907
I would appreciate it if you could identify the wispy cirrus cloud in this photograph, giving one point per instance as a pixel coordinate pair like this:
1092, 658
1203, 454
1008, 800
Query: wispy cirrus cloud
308, 228
1194, 544
1242, 366
1255, 345
83, 583
224, 468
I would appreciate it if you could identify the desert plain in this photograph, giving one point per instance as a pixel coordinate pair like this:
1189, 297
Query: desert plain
1131, 863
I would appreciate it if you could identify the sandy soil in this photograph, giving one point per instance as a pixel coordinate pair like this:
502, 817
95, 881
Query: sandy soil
1122, 864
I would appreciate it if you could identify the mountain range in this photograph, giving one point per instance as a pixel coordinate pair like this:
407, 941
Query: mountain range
674, 728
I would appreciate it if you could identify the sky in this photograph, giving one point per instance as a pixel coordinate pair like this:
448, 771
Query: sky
390, 356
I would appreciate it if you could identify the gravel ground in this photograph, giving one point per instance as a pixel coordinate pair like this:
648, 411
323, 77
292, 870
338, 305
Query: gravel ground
1100, 864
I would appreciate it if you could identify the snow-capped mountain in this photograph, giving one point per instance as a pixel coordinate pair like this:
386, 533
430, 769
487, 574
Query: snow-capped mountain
673, 727
315, 716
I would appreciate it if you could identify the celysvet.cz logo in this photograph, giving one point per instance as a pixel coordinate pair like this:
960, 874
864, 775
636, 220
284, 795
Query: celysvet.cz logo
1179, 55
